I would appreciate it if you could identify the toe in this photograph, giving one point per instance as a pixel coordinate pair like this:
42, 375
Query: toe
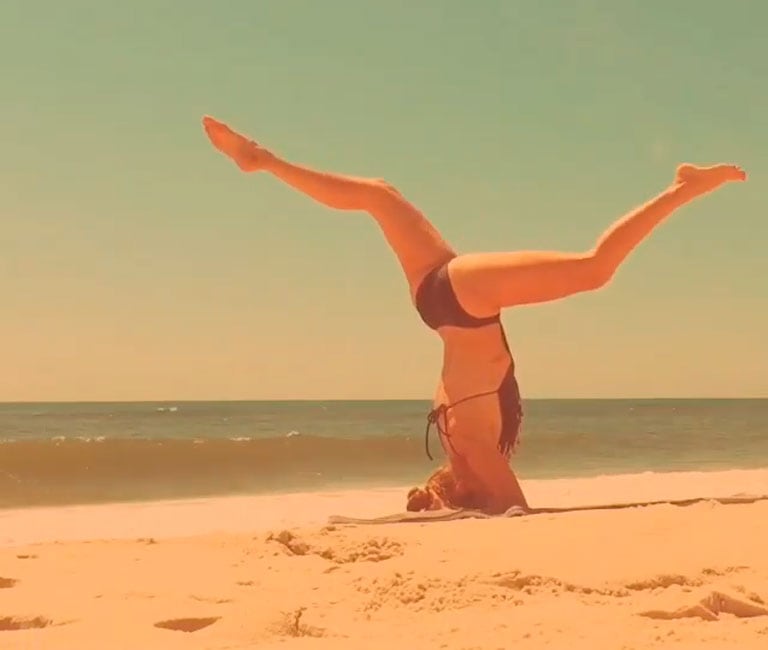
738, 173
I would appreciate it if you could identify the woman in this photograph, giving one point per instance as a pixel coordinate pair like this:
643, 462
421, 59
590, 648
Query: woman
477, 404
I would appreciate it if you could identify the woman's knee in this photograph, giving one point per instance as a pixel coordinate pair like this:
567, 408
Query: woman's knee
596, 271
383, 191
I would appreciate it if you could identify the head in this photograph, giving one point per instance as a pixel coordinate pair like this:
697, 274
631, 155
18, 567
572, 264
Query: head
419, 499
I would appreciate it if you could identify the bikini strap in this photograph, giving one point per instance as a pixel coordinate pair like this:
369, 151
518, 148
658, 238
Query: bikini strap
433, 417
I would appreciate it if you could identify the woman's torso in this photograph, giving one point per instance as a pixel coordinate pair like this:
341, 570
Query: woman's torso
477, 368
477, 399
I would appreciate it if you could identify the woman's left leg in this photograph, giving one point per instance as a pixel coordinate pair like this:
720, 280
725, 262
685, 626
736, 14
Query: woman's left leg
485, 283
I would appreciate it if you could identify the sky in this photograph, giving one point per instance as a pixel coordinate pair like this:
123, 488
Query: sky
138, 264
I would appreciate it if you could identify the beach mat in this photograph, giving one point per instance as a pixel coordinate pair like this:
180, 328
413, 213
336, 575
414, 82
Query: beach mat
454, 515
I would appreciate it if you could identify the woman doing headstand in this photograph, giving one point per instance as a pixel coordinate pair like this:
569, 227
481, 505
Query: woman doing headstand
477, 407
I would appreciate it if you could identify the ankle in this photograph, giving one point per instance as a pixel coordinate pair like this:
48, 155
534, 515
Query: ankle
681, 192
269, 162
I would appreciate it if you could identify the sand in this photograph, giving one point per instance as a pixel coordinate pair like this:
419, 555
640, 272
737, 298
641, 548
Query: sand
265, 572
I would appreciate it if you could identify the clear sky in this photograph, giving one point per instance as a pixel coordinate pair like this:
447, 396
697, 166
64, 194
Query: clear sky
135, 263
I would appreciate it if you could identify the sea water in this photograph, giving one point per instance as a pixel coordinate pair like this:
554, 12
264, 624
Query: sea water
80, 453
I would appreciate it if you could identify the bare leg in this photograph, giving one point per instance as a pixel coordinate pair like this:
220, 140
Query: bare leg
417, 244
485, 283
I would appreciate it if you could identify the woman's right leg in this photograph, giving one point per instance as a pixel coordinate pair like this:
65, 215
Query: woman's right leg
418, 246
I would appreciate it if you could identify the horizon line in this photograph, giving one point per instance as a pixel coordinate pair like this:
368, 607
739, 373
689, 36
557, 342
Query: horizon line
387, 399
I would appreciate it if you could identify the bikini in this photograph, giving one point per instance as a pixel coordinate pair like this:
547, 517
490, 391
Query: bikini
438, 306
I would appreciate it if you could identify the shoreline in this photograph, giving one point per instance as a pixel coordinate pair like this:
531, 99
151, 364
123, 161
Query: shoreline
257, 513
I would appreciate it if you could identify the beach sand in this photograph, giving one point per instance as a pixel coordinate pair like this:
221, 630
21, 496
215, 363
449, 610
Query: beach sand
265, 572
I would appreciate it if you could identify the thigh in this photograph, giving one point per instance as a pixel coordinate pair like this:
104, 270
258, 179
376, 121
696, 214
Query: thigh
417, 244
485, 283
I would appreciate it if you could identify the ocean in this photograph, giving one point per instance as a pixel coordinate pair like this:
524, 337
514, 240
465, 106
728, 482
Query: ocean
88, 453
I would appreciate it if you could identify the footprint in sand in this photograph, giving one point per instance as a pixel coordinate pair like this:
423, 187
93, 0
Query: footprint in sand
187, 624
211, 599
374, 549
14, 623
291, 625
710, 607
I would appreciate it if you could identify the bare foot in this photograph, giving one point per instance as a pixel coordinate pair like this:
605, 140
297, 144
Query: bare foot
248, 155
708, 178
